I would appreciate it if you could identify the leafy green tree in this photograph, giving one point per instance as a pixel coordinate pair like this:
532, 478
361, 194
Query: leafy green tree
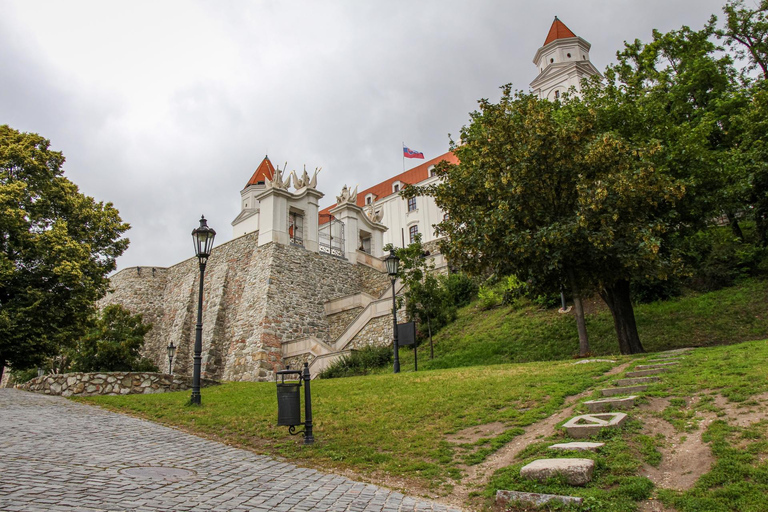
427, 299
113, 344
57, 247
746, 32
540, 192
680, 92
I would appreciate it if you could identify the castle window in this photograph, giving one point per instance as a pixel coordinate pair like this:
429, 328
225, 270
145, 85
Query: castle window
551, 61
411, 204
584, 57
396, 187
368, 200
412, 232
557, 95
431, 170
569, 55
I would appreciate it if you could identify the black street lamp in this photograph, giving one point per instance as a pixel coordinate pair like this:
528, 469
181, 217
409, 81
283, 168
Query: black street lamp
393, 265
171, 348
203, 238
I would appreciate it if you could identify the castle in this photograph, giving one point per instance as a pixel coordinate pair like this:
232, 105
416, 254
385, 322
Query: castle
299, 284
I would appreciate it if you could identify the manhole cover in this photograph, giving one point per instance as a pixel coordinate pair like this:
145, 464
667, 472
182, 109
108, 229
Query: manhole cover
157, 473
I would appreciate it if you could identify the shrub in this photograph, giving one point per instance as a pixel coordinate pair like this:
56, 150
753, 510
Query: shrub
359, 362
490, 296
114, 344
461, 288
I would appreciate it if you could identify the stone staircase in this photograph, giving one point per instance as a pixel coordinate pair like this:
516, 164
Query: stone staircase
323, 354
578, 471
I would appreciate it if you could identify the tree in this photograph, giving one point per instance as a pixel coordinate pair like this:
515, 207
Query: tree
113, 344
427, 300
57, 247
540, 192
746, 32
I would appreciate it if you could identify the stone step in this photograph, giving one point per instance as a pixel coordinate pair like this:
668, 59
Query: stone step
610, 404
665, 360
590, 424
653, 366
637, 380
503, 498
623, 391
577, 446
575, 471
644, 373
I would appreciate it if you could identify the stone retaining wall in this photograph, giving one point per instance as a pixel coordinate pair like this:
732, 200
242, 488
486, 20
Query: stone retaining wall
255, 299
108, 383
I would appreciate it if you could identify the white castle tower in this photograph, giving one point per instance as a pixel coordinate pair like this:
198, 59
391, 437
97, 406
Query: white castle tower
563, 62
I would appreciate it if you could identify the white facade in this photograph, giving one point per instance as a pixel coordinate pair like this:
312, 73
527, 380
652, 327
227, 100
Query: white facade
405, 217
563, 63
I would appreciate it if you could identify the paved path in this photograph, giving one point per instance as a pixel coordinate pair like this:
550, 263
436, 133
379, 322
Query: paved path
60, 456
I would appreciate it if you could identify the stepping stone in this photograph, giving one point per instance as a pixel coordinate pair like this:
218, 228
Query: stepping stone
579, 447
590, 424
623, 391
654, 366
533, 498
643, 373
575, 471
637, 380
665, 360
610, 404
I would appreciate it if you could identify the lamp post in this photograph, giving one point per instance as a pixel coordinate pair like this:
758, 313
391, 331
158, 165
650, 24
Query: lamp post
203, 239
171, 348
393, 264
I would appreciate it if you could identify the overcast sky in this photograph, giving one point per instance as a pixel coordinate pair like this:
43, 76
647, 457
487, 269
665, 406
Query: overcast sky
165, 108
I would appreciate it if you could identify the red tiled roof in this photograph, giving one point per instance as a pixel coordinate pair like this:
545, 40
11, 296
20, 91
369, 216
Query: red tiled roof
265, 170
558, 30
384, 189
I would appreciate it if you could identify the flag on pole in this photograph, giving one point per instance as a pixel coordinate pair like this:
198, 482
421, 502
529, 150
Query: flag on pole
409, 153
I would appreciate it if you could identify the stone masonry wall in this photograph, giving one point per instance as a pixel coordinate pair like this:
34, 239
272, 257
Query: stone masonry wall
377, 332
255, 298
107, 383
338, 322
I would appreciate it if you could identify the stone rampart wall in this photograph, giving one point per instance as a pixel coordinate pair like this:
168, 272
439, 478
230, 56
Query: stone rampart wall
107, 383
338, 322
255, 298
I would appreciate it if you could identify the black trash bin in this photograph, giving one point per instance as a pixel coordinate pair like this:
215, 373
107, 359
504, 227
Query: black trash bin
288, 403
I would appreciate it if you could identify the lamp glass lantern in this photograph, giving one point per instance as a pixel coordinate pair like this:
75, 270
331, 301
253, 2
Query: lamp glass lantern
202, 237
171, 348
393, 264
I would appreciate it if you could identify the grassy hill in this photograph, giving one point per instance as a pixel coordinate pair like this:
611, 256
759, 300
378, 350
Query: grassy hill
509, 335
402, 429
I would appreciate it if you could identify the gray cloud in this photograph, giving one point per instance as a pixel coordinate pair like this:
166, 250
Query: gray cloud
166, 108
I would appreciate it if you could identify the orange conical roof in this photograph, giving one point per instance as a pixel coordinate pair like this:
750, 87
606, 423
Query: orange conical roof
265, 171
558, 30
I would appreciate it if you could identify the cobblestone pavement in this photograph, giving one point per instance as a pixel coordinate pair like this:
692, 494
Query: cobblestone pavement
61, 456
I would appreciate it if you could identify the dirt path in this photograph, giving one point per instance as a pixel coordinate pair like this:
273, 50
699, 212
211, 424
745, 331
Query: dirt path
477, 476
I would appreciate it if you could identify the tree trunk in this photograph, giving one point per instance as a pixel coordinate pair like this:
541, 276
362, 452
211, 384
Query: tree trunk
578, 309
618, 299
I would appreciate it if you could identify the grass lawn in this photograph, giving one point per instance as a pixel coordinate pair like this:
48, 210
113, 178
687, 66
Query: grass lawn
509, 335
738, 478
386, 425
390, 424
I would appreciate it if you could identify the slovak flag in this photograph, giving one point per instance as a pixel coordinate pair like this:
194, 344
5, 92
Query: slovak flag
409, 153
